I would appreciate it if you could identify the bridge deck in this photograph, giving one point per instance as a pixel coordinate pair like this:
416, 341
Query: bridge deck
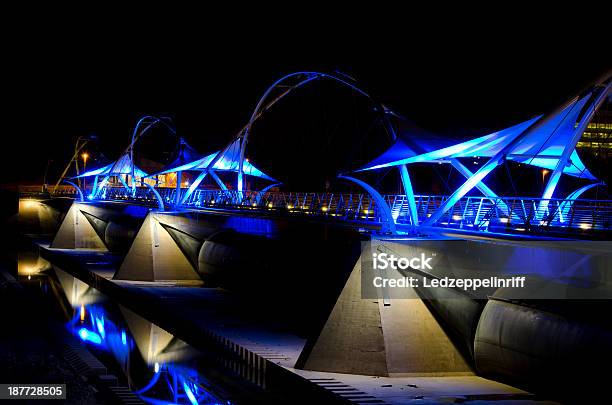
503, 215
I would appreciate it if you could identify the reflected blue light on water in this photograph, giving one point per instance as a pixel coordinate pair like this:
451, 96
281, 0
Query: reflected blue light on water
190, 394
169, 384
100, 325
97, 329
89, 336
184, 385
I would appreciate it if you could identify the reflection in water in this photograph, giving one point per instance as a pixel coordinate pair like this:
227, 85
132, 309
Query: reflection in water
163, 369
76, 292
30, 264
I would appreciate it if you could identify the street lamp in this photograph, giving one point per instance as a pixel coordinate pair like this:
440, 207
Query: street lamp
544, 173
79, 145
84, 156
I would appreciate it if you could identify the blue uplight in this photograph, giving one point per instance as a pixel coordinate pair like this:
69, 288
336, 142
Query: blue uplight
89, 336
100, 326
190, 394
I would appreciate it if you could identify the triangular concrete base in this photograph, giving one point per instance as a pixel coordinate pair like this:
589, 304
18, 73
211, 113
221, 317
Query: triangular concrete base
76, 232
98, 224
155, 256
150, 339
76, 291
364, 336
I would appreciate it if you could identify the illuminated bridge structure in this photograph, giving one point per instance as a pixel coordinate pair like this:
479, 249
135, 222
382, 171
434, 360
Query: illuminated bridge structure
546, 141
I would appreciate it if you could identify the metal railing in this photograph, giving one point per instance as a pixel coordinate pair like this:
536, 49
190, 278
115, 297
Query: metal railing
471, 213
47, 191
518, 213
347, 206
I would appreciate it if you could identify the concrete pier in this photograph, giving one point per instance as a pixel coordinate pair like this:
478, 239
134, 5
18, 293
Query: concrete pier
262, 351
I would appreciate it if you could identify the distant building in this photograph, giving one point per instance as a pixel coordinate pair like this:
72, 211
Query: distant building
597, 138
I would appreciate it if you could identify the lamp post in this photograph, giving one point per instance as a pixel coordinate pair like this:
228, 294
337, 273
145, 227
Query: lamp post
544, 173
79, 145
85, 155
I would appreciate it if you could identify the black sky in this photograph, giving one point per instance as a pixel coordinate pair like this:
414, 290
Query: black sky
65, 82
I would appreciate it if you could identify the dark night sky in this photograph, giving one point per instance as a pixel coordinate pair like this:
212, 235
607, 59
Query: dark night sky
62, 84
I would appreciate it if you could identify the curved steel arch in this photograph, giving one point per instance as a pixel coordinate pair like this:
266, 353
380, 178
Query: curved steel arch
605, 90
259, 110
265, 190
151, 121
304, 77
388, 224
136, 134
78, 189
160, 200
599, 90
566, 205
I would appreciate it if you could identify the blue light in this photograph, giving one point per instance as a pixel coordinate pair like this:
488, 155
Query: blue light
189, 393
89, 336
229, 161
123, 338
100, 325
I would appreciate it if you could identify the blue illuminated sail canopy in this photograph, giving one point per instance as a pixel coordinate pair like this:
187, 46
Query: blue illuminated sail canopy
229, 161
542, 147
484, 146
185, 155
122, 166
411, 141
101, 171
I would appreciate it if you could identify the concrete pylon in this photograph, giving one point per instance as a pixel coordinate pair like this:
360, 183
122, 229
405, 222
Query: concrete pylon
77, 292
77, 232
155, 255
36, 217
364, 336
154, 343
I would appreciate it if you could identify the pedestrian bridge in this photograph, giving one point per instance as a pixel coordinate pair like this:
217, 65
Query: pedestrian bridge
475, 213
547, 141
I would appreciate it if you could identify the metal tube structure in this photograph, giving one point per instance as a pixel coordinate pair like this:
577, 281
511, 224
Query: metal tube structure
136, 134
308, 77
387, 222
78, 146
569, 147
78, 189
160, 201
493, 162
484, 189
219, 182
194, 186
567, 204
179, 178
258, 108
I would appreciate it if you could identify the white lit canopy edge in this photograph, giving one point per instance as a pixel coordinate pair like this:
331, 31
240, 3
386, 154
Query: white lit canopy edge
121, 166
542, 148
229, 161
546, 141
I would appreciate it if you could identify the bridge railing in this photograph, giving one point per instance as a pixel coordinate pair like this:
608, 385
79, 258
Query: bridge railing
42, 191
357, 207
474, 213
519, 213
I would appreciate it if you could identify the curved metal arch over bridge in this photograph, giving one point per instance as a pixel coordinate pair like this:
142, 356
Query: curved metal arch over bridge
546, 141
301, 79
